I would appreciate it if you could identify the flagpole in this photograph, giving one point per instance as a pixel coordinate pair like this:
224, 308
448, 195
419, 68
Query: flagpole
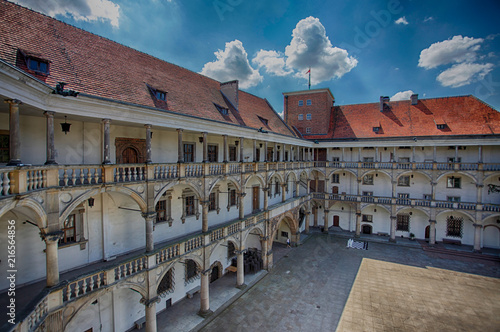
309, 78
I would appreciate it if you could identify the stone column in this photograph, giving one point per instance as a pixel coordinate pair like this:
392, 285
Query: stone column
315, 216
242, 159
149, 217
148, 143
480, 154
106, 141
180, 152
254, 150
240, 273
51, 156
393, 229
358, 225
205, 147
284, 154
275, 151
263, 241
432, 232
224, 138
297, 188
266, 198
308, 213
151, 316
265, 152
14, 133
325, 225
204, 216
477, 237
204, 295
242, 204
51, 256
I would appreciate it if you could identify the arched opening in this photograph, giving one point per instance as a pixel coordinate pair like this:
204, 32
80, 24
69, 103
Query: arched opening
366, 229
192, 271
166, 285
215, 271
427, 232
491, 236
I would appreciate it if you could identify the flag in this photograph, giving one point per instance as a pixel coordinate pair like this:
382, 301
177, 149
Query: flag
309, 71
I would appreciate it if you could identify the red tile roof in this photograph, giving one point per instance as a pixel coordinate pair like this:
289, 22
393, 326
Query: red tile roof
464, 115
97, 66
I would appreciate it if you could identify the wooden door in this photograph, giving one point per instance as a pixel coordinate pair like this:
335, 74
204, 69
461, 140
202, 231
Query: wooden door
335, 190
320, 154
129, 156
427, 232
336, 221
215, 274
255, 198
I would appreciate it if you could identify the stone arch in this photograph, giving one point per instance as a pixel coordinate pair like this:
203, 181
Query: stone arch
456, 172
291, 222
402, 209
32, 205
376, 206
278, 175
261, 180
322, 172
219, 270
197, 259
172, 185
228, 179
469, 216
247, 233
77, 201
343, 170
164, 270
375, 171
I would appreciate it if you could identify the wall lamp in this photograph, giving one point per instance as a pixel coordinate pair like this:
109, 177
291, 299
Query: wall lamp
65, 126
91, 201
200, 139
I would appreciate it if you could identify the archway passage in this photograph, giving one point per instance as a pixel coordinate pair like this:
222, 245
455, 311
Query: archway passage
427, 232
214, 274
253, 260
366, 229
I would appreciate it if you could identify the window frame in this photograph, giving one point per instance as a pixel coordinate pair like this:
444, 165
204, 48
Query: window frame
404, 181
212, 156
336, 178
301, 117
454, 227
366, 180
308, 102
301, 103
186, 154
403, 222
308, 130
453, 182
308, 116
367, 218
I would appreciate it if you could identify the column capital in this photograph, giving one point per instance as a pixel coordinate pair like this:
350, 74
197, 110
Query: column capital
13, 101
477, 225
149, 126
49, 113
150, 302
52, 236
147, 215
326, 211
180, 130
432, 221
106, 120
239, 252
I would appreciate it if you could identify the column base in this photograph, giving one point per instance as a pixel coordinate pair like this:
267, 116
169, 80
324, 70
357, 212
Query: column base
392, 240
205, 313
357, 235
241, 286
477, 251
107, 162
51, 162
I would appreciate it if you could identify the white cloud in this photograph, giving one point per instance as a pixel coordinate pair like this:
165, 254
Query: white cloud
273, 62
464, 74
456, 50
80, 10
232, 64
402, 95
428, 18
311, 48
401, 20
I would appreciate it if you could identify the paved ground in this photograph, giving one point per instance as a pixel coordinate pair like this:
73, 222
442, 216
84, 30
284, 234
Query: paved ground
322, 285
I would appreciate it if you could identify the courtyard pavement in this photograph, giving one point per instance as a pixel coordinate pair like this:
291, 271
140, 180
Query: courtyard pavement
324, 286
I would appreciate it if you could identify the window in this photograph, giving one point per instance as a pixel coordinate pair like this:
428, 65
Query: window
309, 116
308, 103
231, 250
38, 65
453, 182
222, 110
284, 234
212, 153
231, 198
404, 181
301, 117
4, 148
441, 126
368, 179
212, 202
403, 222
367, 218
232, 153
276, 188
308, 130
160, 95
264, 121
403, 195
428, 197
367, 193
189, 208
301, 103
166, 285
453, 198
454, 226
72, 228
163, 208
452, 160
188, 152
376, 129
404, 160
191, 270
335, 178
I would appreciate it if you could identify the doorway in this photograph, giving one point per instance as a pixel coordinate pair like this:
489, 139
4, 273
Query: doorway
336, 221
129, 156
255, 199
427, 232
214, 275
366, 229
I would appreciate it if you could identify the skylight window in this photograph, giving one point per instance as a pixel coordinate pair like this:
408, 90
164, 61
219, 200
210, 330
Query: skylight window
376, 129
264, 121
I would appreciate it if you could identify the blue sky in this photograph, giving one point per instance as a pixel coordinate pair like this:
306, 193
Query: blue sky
359, 49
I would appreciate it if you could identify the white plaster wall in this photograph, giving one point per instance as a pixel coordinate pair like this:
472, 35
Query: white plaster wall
418, 221
29, 256
283, 227
253, 241
347, 216
419, 185
127, 308
492, 197
381, 219
220, 255
468, 229
491, 235
382, 185
97, 316
467, 192
490, 154
164, 146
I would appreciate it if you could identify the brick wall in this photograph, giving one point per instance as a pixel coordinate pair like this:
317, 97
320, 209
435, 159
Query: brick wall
319, 110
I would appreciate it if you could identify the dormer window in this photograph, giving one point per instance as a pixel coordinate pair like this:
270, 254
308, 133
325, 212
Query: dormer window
160, 95
264, 121
222, 110
376, 129
441, 126
35, 62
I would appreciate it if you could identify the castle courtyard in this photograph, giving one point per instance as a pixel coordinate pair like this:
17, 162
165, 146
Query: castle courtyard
324, 286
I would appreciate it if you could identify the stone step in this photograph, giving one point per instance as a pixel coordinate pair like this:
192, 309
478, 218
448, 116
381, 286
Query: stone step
461, 253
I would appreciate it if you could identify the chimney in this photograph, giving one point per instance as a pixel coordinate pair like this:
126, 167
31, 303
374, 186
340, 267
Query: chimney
230, 90
414, 99
383, 100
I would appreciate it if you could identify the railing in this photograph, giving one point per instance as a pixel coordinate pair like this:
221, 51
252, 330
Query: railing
4, 183
129, 173
130, 268
193, 170
235, 168
193, 243
84, 285
79, 175
216, 169
234, 228
217, 234
167, 253
165, 171
38, 314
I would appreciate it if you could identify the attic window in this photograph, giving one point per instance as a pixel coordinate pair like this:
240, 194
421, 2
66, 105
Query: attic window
160, 95
222, 110
376, 129
441, 126
264, 121
38, 65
